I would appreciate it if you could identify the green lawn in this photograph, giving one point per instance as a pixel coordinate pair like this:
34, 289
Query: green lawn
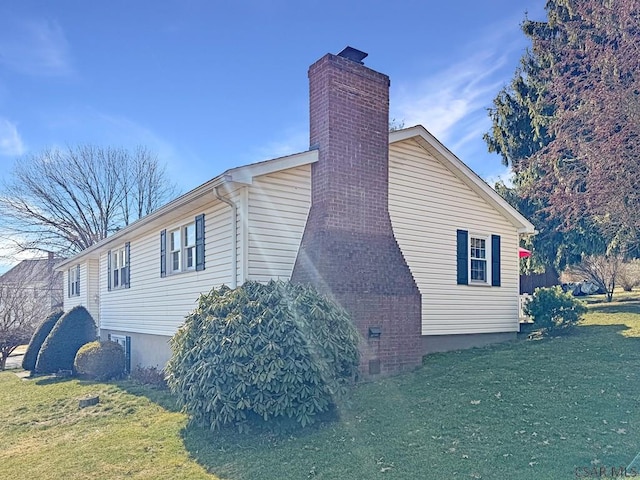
523, 410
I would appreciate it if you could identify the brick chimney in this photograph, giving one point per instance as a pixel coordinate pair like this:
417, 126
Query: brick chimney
348, 249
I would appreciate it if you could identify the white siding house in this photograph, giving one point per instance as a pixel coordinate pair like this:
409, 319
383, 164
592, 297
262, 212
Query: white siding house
412, 243
432, 195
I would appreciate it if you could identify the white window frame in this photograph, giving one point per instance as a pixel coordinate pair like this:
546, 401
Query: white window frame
118, 268
119, 339
74, 281
183, 250
487, 258
189, 246
122, 341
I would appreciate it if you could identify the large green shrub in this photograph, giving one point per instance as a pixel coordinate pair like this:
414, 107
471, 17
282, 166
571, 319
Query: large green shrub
552, 309
38, 338
100, 360
74, 329
276, 351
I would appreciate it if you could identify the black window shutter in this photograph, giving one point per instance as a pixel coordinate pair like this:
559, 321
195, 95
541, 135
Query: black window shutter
463, 257
109, 270
127, 354
495, 260
200, 242
163, 253
127, 251
78, 279
69, 283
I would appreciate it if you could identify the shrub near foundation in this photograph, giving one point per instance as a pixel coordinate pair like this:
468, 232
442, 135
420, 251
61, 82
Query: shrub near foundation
100, 360
38, 338
258, 353
74, 329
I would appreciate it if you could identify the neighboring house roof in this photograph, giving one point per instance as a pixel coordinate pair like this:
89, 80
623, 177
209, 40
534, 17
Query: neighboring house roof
246, 173
30, 271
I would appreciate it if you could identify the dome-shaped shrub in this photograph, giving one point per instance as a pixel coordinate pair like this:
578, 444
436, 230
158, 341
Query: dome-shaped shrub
274, 351
74, 329
100, 360
38, 338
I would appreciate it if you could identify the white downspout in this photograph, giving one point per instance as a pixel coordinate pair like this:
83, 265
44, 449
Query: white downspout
234, 236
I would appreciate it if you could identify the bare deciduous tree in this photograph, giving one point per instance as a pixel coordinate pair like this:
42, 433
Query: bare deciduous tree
22, 308
602, 270
29, 292
67, 200
629, 275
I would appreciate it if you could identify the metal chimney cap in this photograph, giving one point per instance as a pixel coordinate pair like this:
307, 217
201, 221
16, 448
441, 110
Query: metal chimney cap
353, 54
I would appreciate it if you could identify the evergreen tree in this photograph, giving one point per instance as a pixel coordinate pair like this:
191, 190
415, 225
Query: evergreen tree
567, 125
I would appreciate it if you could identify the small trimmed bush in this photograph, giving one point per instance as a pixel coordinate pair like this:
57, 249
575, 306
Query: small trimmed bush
258, 353
100, 360
38, 338
74, 329
552, 309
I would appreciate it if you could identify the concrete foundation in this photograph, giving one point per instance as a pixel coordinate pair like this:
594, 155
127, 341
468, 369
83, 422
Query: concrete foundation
146, 350
447, 343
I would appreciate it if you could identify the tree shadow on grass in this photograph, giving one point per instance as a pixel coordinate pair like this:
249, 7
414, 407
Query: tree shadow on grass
230, 454
50, 379
612, 308
159, 396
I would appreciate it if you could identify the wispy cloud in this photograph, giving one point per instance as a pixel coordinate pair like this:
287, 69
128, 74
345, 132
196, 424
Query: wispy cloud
444, 100
292, 141
452, 102
11, 143
34, 47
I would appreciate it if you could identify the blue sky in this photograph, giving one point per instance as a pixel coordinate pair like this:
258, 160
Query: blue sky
208, 85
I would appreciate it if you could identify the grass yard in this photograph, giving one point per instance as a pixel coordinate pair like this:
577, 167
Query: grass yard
524, 410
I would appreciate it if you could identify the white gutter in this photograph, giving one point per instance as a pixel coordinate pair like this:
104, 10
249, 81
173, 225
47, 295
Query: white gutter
234, 235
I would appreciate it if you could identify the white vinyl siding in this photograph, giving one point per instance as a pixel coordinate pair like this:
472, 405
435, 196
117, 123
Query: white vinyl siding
93, 290
427, 204
89, 294
71, 301
278, 209
158, 305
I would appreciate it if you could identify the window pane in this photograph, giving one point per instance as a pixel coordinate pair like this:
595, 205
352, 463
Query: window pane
478, 248
190, 235
189, 257
175, 261
115, 278
479, 270
175, 240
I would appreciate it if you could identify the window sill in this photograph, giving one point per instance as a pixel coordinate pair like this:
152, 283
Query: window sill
180, 272
478, 284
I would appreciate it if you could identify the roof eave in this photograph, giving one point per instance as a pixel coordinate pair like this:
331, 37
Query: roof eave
239, 175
